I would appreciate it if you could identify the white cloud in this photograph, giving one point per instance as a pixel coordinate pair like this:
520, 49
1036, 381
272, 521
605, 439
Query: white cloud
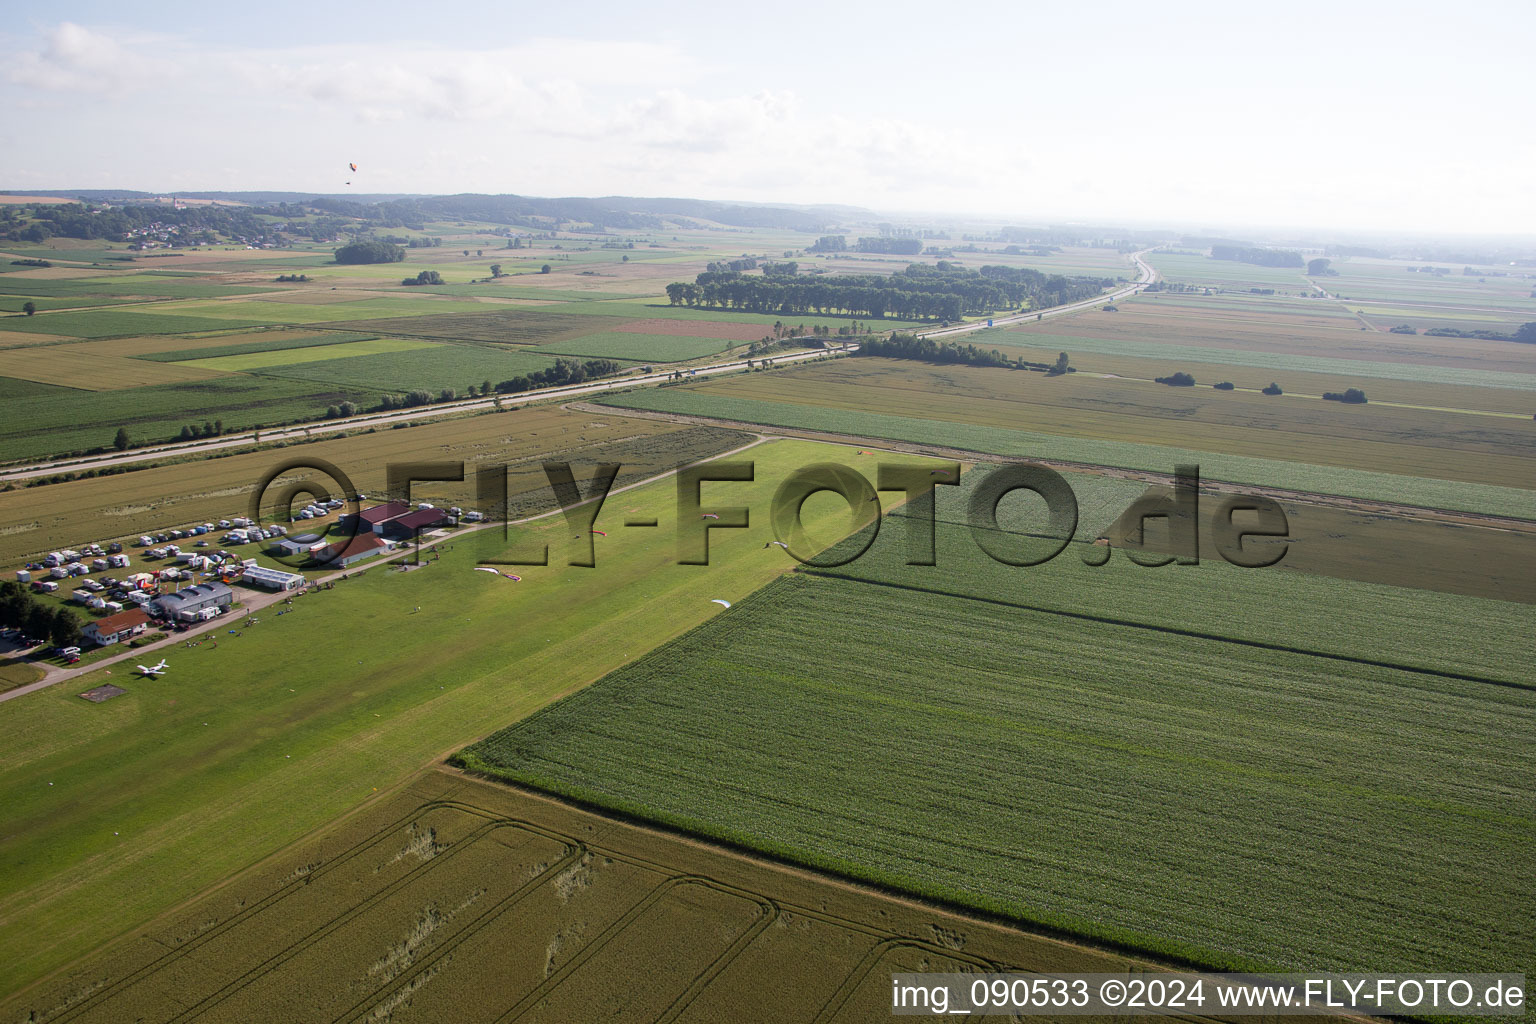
74, 58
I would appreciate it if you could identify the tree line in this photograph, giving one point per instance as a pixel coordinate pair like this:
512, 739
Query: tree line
1257, 255
946, 291
370, 251
564, 372
86, 220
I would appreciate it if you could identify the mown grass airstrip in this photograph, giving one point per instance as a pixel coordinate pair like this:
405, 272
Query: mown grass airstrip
309, 712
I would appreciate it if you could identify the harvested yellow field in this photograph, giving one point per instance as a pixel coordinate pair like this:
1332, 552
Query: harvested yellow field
18, 339
68, 366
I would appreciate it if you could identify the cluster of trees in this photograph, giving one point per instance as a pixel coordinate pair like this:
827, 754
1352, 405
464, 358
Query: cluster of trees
370, 251
1177, 380
891, 246
910, 346
37, 619
119, 223
1225, 385
1321, 268
740, 266
31, 263
1257, 255
191, 431
829, 243
1526, 333
946, 291
336, 412
293, 278
425, 277
1352, 395
1273, 389
1403, 329
564, 372
409, 400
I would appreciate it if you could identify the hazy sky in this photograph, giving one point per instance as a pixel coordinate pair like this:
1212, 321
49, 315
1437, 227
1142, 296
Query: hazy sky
1395, 116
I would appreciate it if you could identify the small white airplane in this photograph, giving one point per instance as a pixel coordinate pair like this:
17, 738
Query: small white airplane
153, 670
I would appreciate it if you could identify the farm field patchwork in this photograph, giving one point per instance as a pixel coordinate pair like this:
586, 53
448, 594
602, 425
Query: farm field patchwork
42, 425
1442, 460
160, 349
1171, 792
660, 348
257, 311
113, 322
1144, 321
309, 354
17, 303
519, 326
1272, 363
64, 365
424, 365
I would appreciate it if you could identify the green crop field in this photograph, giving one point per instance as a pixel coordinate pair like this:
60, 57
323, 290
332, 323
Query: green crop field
1104, 750
660, 348
1227, 273
273, 341
949, 406
14, 303
14, 387
43, 425
114, 322
310, 354
259, 311
426, 365
503, 326
160, 287
1274, 362
309, 713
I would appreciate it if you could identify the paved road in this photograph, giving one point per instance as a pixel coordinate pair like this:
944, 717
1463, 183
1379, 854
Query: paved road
1145, 276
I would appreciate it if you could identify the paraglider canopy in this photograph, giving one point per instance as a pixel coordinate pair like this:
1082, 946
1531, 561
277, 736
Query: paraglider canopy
354, 168
720, 601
